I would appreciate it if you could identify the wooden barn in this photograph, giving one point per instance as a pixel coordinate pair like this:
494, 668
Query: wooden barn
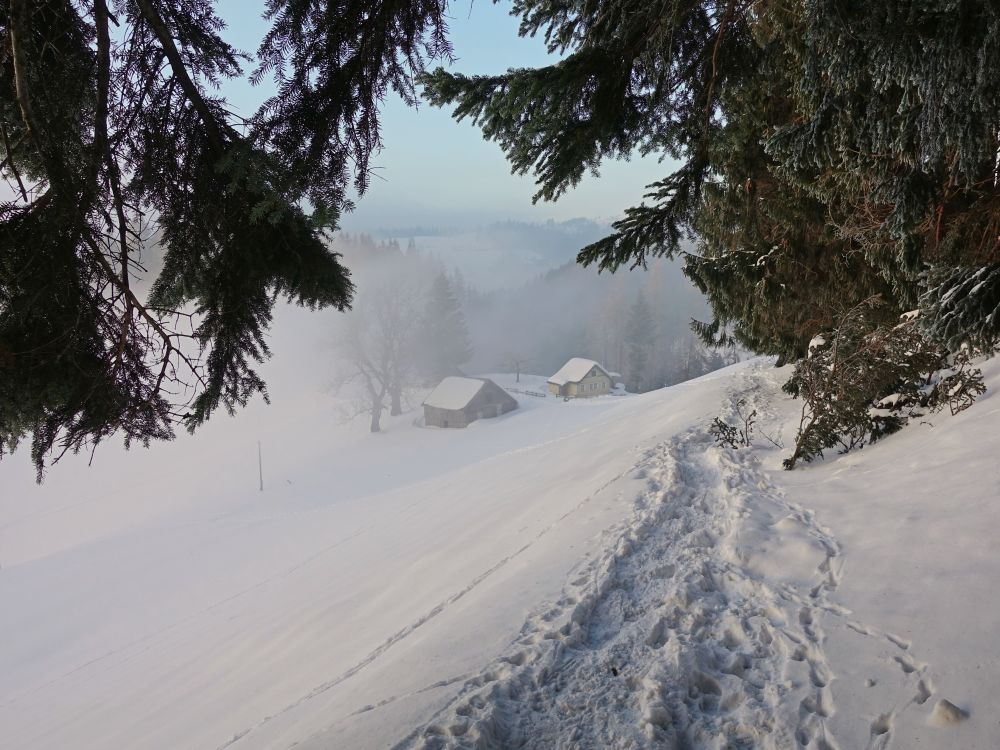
457, 402
580, 378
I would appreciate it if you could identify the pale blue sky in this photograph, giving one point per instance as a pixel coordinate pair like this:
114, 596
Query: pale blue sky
435, 172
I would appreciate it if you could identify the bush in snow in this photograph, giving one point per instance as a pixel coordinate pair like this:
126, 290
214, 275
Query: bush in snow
735, 436
865, 380
960, 384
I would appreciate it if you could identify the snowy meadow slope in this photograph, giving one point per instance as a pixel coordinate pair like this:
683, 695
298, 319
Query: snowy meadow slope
573, 574
847, 604
160, 600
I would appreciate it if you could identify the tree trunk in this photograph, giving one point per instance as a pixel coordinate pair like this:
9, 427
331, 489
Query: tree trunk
376, 414
397, 402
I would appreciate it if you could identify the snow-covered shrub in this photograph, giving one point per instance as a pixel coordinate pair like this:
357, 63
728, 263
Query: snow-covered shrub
960, 384
861, 382
735, 436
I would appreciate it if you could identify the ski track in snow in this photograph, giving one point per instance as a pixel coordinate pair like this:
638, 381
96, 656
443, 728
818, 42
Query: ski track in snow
670, 637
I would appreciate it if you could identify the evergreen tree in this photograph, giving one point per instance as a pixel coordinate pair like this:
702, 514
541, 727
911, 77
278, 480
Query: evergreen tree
829, 152
692, 360
640, 333
607, 335
444, 343
459, 289
861, 382
111, 135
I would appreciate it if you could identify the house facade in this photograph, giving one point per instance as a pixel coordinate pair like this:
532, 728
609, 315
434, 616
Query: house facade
457, 402
581, 378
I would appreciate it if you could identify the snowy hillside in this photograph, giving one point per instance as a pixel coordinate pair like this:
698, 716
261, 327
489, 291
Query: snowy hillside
573, 574
846, 605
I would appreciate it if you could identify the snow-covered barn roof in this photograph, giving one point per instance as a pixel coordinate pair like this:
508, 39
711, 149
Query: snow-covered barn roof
454, 392
575, 370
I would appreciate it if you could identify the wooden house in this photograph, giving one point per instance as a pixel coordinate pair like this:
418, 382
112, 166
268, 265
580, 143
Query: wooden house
457, 402
580, 378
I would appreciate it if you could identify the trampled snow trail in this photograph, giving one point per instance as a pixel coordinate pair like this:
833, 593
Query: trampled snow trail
701, 625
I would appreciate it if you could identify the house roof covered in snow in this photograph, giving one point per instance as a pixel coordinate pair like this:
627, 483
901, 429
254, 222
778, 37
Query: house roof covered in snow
454, 392
575, 370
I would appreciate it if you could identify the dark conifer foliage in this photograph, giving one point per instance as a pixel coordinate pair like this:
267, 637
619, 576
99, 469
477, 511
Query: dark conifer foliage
113, 136
828, 151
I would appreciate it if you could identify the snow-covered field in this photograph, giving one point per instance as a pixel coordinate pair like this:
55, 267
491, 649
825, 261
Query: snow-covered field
573, 574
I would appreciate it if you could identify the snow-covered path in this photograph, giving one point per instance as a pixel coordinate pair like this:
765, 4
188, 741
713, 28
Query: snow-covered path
702, 624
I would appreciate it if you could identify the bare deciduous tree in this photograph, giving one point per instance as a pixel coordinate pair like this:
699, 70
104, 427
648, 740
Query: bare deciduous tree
377, 347
516, 362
